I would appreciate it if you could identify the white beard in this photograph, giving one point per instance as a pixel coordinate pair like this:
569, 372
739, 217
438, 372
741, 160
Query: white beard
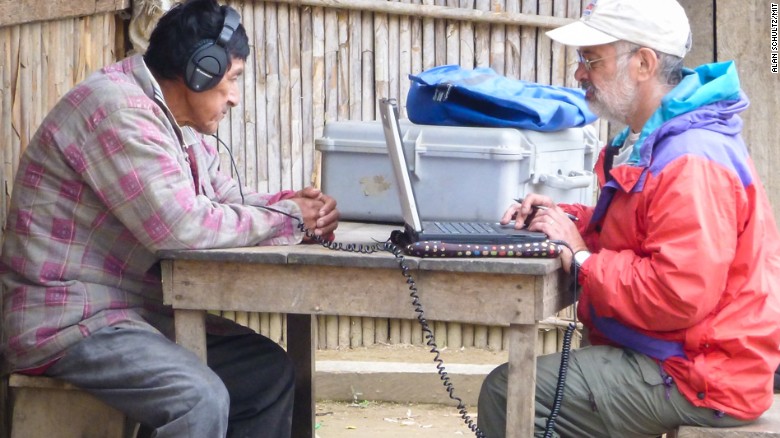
615, 100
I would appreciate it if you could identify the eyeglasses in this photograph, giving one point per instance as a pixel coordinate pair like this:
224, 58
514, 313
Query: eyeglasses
588, 63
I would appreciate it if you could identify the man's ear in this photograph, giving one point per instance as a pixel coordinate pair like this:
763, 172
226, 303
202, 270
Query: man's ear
648, 63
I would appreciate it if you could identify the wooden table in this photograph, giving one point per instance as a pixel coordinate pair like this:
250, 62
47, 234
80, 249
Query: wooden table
306, 280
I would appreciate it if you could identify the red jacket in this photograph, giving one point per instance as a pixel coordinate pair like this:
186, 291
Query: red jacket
686, 263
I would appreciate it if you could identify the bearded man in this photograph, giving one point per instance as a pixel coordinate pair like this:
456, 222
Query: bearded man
677, 262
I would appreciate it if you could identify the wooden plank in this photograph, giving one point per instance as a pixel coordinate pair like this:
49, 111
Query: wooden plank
467, 335
441, 37
393, 49
505, 41
395, 331
438, 11
190, 331
543, 48
274, 93
428, 40
374, 50
455, 335
482, 37
354, 84
381, 330
298, 179
369, 24
331, 64
522, 369
322, 340
332, 329
481, 336
42, 382
495, 338
285, 98
307, 295
453, 37
318, 86
254, 321
407, 40
345, 322
345, 46
440, 331
39, 412
265, 324
355, 332
406, 330
528, 67
261, 95
417, 333
276, 332
249, 146
558, 51
6, 120
573, 11
16, 143
307, 73
15, 12
368, 332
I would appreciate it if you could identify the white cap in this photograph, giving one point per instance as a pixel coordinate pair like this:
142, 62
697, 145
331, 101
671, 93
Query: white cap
658, 24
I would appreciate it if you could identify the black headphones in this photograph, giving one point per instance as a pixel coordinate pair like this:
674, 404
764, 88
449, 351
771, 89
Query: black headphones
209, 60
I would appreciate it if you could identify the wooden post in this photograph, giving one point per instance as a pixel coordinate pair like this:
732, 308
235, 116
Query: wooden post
521, 351
300, 347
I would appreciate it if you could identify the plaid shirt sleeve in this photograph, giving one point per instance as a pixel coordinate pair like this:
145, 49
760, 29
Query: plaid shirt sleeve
144, 178
223, 188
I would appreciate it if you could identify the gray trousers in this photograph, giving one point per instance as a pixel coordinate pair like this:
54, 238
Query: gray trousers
245, 391
609, 392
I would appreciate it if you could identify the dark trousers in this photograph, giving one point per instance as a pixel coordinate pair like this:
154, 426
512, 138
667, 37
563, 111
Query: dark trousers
245, 391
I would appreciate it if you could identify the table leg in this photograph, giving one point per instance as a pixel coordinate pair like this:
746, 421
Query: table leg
300, 348
190, 330
522, 371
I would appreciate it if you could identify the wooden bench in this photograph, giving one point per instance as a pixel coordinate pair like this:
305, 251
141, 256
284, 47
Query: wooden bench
765, 427
46, 407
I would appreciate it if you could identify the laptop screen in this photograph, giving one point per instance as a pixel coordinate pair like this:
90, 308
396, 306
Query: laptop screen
395, 148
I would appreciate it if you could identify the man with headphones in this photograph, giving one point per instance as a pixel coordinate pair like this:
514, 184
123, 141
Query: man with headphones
118, 171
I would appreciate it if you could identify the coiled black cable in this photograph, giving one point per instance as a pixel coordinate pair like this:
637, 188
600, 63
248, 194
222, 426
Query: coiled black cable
397, 252
430, 340
559, 388
565, 355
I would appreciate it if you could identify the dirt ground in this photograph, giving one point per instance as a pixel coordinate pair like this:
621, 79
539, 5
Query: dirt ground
362, 418
389, 420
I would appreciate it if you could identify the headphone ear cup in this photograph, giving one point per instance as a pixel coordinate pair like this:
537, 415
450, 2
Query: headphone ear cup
206, 66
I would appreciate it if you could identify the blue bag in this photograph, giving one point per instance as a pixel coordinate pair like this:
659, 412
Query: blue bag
454, 96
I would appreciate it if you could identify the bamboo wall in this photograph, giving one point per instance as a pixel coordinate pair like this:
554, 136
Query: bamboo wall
39, 62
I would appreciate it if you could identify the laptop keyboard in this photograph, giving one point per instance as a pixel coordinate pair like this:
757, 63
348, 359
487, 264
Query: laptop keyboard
466, 227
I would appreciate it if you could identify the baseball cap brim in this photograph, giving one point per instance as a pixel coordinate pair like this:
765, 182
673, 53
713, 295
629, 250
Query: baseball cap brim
580, 34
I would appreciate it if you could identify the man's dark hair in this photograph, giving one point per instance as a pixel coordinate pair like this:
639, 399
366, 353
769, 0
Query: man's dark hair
179, 31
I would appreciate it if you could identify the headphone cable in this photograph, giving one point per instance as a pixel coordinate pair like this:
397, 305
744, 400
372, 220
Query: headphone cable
233, 163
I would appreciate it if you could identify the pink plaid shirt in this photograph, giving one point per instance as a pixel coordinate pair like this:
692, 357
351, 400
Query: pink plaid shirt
106, 183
